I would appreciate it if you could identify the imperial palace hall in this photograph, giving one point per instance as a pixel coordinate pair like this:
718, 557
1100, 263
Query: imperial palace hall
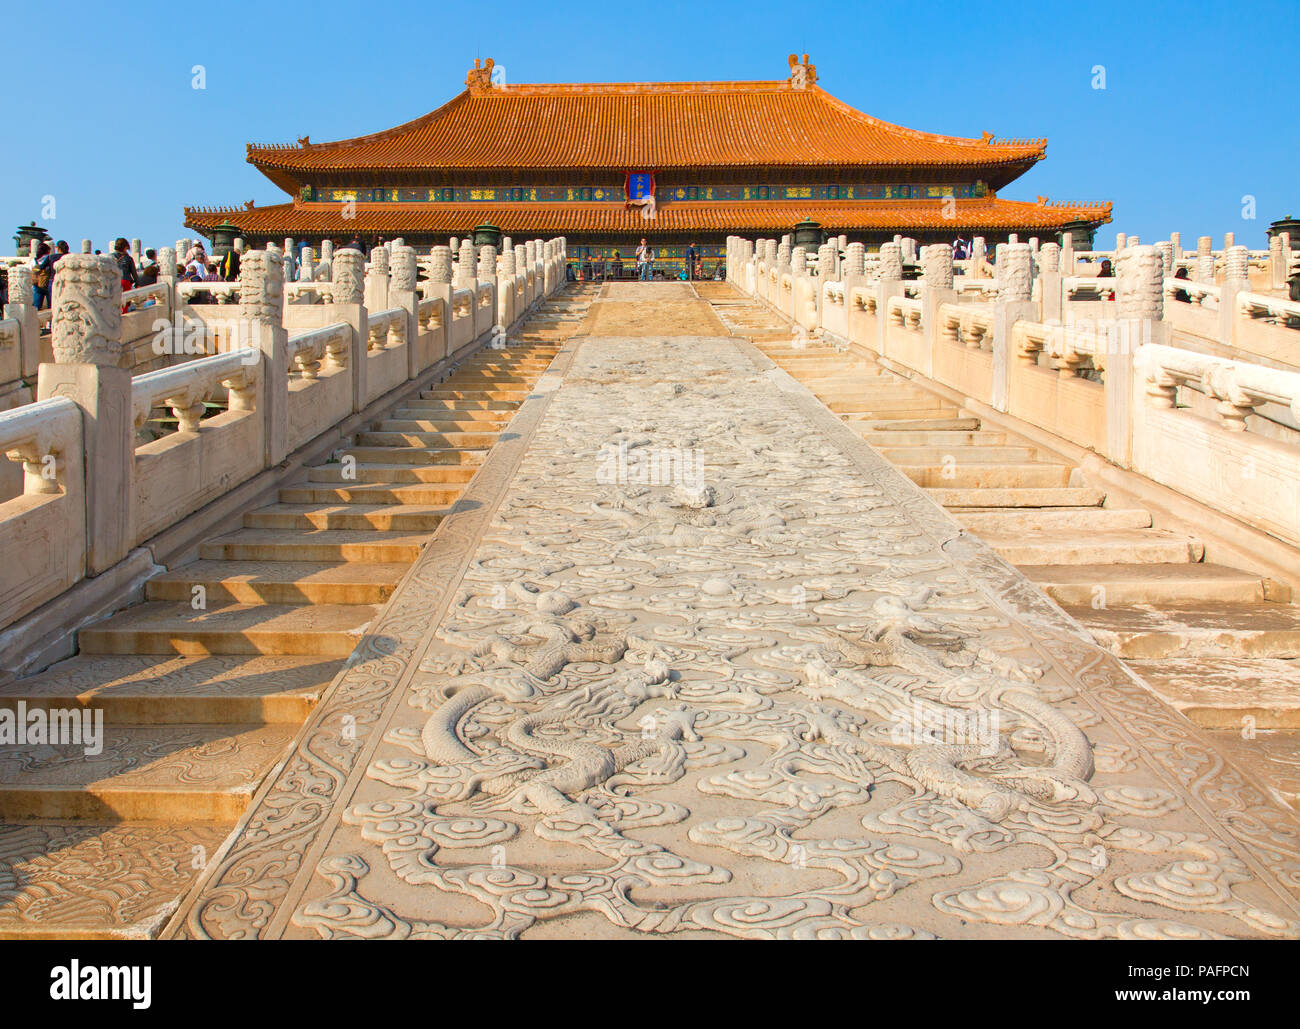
676, 163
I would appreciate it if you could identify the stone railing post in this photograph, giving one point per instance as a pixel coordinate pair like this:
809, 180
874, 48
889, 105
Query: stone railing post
168, 275
261, 318
348, 304
1176, 241
439, 287
936, 289
1067, 253
485, 319
19, 307
466, 259
828, 270
1140, 297
1014, 304
530, 270
404, 292
1166, 257
1276, 262
889, 285
1049, 284
978, 256
1204, 261
86, 331
506, 287
377, 280
1236, 279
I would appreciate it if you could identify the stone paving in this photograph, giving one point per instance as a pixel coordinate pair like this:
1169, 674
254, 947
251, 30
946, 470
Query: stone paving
690, 658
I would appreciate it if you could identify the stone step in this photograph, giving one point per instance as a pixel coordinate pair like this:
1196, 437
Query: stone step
489, 396
438, 426
517, 371
946, 438
1188, 630
902, 406
975, 454
1228, 693
278, 582
159, 627
392, 473
1068, 497
99, 880
194, 773
848, 386
418, 455
866, 418
427, 405
1271, 756
436, 440
1004, 521
435, 415
1038, 475
372, 494
406, 518
314, 545
1127, 585
155, 689
958, 424
1119, 546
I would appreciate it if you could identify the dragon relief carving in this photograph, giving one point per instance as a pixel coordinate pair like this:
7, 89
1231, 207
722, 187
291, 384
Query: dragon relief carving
769, 703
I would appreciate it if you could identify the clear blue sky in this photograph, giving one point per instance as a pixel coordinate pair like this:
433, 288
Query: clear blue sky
1197, 111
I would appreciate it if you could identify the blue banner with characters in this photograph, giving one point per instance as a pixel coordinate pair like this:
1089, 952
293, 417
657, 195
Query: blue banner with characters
640, 185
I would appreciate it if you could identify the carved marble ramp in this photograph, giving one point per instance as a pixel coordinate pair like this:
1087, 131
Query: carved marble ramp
203, 687
1220, 644
775, 693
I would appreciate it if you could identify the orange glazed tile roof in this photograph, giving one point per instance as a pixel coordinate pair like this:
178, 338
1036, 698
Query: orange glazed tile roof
651, 126
314, 219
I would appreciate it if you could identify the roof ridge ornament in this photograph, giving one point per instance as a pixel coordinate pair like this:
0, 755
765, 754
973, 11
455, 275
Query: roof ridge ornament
802, 74
479, 79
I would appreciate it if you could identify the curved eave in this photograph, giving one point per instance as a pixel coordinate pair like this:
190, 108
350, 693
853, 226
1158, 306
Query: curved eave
994, 214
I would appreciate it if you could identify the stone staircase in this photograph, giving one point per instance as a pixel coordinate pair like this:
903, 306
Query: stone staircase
204, 685
1220, 644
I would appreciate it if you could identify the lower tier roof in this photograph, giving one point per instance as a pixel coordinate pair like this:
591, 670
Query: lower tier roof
303, 219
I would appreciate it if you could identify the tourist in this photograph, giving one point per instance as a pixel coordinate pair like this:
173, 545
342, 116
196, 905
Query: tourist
618, 265
61, 250
230, 266
645, 259
125, 264
960, 249
196, 262
148, 268
588, 272
42, 277
692, 255
1181, 295
1106, 272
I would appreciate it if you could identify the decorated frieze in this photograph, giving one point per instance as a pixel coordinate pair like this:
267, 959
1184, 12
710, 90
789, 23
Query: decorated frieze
618, 194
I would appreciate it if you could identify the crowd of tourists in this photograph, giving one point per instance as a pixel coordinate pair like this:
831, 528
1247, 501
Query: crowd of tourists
194, 266
595, 267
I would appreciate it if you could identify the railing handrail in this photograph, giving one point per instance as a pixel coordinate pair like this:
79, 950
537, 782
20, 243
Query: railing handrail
30, 424
1238, 383
192, 380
